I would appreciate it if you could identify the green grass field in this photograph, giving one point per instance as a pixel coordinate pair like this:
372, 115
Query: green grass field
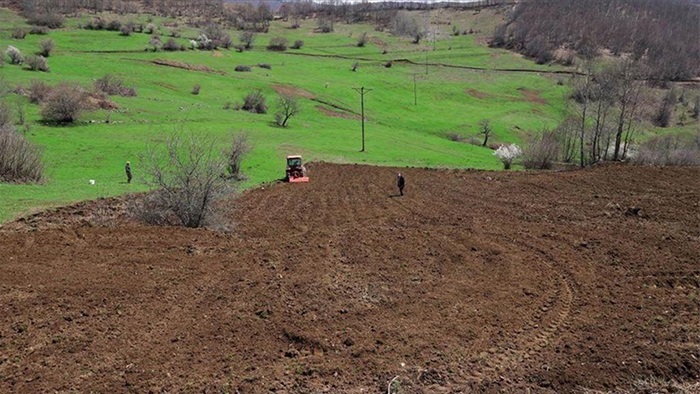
449, 99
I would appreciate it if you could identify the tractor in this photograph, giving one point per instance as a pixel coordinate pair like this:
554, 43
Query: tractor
296, 172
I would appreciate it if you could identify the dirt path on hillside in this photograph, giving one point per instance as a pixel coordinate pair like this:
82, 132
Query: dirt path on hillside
472, 282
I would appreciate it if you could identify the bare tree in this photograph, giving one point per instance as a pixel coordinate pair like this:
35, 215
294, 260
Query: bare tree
583, 88
288, 107
20, 160
486, 130
188, 177
247, 38
239, 148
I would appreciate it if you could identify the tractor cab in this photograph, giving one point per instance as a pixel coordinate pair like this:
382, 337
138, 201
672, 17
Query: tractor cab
296, 172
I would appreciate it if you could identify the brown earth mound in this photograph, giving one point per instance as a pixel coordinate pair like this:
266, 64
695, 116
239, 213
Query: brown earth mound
187, 66
336, 114
292, 91
532, 96
471, 282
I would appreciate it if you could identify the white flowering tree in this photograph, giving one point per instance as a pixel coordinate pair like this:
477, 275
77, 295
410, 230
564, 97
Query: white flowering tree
14, 54
507, 153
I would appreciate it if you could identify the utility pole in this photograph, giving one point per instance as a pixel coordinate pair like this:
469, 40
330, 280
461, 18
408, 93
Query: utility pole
362, 92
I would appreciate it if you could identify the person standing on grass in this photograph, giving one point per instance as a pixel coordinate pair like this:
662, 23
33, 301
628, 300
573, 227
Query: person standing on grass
128, 172
400, 182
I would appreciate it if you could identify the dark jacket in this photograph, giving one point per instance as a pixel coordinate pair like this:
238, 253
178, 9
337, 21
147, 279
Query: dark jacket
401, 181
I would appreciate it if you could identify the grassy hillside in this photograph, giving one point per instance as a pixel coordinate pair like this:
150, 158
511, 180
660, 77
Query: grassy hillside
449, 99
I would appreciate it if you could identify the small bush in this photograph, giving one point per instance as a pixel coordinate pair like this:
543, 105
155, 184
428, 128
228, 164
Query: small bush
325, 24
195, 89
39, 30
6, 118
506, 154
150, 28
242, 68
19, 34
362, 40
265, 66
297, 44
20, 160
50, 20
37, 63
63, 104
255, 102
355, 66
452, 136
388, 64
126, 30
541, 152
669, 150
38, 91
113, 25
171, 45
114, 86
154, 44
14, 54
277, 44
45, 47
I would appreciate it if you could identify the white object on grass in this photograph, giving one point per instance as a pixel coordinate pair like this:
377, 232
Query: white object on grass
92, 181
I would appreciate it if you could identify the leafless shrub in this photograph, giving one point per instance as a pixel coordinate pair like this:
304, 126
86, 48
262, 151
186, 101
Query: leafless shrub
242, 68
38, 91
215, 36
19, 34
188, 177
665, 112
14, 54
154, 44
541, 151
37, 63
277, 44
39, 30
407, 26
247, 38
63, 104
126, 30
195, 89
669, 150
171, 45
6, 118
354, 66
696, 108
114, 25
48, 19
20, 160
288, 106
297, 44
324, 24
486, 129
239, 148
150, 28
45, 47
266, 66
255, 102
362, 40
452, 136
114, 86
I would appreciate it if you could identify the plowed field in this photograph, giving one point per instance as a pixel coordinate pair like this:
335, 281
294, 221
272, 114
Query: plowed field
471, 282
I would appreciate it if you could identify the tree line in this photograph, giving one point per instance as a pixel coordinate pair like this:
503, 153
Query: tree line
661, 34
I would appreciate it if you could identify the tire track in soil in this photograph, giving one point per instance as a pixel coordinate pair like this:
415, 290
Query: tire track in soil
533, 338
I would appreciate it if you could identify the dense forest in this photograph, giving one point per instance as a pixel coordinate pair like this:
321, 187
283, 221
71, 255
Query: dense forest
662, 34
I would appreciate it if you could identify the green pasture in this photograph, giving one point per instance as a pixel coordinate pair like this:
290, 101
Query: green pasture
398, 132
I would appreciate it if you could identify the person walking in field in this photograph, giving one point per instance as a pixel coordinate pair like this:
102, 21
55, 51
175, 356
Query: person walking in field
128, 172
400, 182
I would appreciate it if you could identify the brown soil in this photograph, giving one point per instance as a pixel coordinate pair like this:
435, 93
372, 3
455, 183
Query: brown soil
336, 114
532, 96
472, 282
478, 94
292, 91
187, 66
